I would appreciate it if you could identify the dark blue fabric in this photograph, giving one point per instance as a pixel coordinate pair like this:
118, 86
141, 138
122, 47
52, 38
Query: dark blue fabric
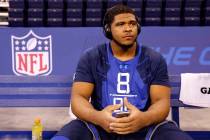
169, 131
94, 131
76, 130
60, 138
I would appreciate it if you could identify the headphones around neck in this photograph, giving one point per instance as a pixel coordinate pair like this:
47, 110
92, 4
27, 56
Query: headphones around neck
107, 28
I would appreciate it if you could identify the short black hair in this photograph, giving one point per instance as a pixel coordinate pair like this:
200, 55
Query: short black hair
116, 10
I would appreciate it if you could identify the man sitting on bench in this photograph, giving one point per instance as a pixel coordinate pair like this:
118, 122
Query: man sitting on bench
128, 86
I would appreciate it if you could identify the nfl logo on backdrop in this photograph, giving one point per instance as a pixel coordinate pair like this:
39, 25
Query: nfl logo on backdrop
31, 55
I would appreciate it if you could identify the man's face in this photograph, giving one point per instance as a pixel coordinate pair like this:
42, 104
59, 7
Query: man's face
124, 29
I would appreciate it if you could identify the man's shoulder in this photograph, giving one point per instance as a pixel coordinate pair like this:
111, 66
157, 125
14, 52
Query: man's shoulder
96, 51
151, 53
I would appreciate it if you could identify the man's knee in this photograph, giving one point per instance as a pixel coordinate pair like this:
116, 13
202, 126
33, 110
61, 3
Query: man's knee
72, 131
170, 132
60, 138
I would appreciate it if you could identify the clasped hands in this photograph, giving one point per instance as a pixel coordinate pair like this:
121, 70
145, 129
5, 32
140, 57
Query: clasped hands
125, 125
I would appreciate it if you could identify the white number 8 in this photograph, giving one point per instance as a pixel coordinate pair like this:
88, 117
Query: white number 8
123, 83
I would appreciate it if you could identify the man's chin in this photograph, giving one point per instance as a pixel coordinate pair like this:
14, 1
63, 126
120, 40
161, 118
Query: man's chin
126, 46
128, 43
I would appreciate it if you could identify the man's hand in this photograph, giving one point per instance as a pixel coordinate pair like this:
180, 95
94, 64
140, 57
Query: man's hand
132, 123
106, 116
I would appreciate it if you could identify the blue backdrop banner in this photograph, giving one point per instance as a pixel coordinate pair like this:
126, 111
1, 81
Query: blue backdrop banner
56, 51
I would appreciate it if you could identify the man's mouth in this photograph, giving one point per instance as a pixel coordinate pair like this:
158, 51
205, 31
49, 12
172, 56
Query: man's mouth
128, 37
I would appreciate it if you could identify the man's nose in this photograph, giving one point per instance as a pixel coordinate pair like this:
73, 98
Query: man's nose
128, 27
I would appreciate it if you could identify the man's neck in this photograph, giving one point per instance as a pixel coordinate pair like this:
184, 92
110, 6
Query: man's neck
123, 54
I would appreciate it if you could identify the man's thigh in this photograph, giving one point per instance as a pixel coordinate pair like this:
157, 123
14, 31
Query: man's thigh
75, 130
169, 131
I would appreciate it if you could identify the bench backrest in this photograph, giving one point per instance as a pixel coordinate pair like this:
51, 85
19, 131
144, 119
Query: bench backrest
54, 91
44, 91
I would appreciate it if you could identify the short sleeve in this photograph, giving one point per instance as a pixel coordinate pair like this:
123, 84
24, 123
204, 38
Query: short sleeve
83, 71
160, 76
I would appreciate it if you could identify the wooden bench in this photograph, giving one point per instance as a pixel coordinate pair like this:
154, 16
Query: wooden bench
53, 91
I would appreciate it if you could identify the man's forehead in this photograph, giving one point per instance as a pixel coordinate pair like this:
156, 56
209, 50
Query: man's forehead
124, 17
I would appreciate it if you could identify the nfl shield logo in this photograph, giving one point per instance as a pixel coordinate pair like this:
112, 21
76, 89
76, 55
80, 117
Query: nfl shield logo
32, 55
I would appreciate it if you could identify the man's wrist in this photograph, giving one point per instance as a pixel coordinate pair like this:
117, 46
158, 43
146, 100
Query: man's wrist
149, 118
95, 117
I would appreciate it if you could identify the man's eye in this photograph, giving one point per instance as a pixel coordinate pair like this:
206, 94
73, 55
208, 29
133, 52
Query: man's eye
133, 23
120, 24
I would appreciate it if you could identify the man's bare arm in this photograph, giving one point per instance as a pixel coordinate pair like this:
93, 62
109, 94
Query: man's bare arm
81, 93
160, 104
82, 108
